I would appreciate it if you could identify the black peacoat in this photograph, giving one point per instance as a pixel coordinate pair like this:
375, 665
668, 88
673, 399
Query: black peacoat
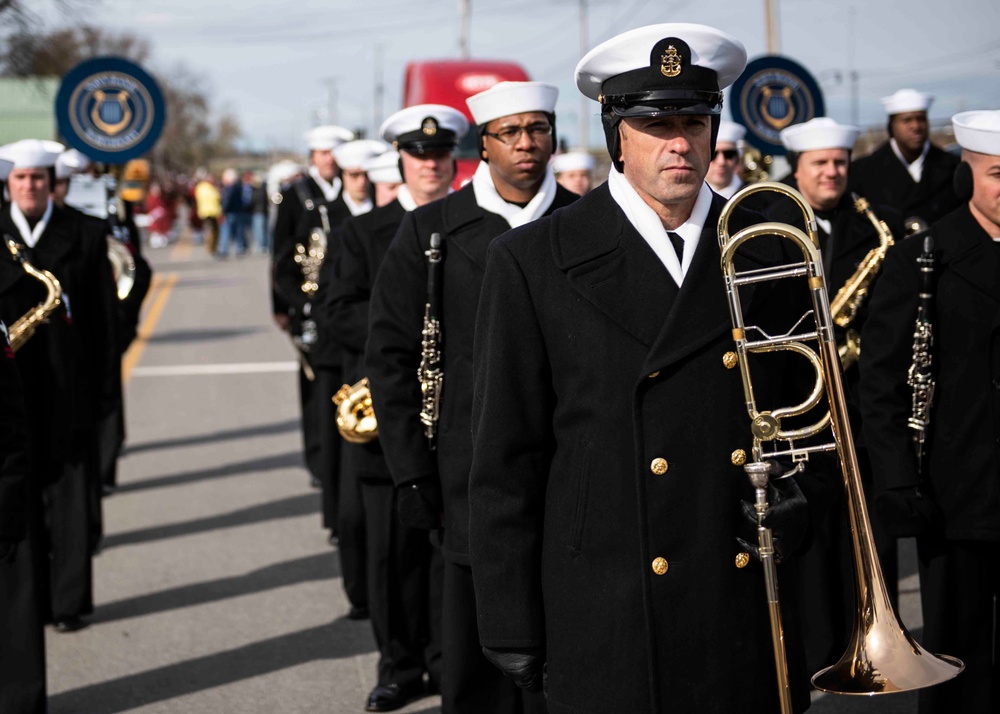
68, 366
393, 351
604, 421
963, 466
362, 245
882, 179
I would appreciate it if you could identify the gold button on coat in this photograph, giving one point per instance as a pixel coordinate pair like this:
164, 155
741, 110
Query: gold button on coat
742, 560
659, 466
660, 566
730, 360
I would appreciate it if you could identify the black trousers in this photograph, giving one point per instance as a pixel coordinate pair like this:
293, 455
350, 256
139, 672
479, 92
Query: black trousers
399, 568
319, 433
22, 638
469, 683
352, 530
64, 553
959, 586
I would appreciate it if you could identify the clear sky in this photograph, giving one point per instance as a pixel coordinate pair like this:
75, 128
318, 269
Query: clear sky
278, 65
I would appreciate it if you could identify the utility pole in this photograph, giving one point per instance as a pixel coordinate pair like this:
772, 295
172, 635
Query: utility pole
771, 27
463, 42
331, 99
584, 103
379, 103
852, 71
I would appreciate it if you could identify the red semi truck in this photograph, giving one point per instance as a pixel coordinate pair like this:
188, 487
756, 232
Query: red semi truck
449, 82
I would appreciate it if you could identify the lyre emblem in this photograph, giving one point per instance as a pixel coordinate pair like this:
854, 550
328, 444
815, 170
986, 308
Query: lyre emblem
777, 110
670, 62
111, 113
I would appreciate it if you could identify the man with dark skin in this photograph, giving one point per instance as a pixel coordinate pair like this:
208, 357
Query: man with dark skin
512, 186
908, 173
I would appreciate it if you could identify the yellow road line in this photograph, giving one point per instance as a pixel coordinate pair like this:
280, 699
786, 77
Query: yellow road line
159, 293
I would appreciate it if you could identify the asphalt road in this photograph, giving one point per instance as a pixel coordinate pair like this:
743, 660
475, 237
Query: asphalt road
216, 590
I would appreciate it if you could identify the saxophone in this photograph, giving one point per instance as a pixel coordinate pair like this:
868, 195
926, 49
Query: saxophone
22, 330
355, 414
846, 303
310, 260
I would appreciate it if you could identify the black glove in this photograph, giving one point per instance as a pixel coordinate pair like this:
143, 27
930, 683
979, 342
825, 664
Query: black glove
907, 511
787, 517
419, 504
7, 550
526, 668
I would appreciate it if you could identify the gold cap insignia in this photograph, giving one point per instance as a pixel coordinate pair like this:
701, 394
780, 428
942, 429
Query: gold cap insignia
670, 62
429, 126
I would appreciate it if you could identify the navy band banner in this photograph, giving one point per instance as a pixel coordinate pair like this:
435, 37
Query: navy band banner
773, 93
110, 109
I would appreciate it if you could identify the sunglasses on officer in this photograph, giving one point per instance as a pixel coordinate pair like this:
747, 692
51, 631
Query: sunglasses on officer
727, 154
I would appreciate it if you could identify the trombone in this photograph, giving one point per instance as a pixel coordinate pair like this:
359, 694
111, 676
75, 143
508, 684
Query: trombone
881, 657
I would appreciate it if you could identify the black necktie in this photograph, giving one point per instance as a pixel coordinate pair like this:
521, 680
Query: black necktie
678, 244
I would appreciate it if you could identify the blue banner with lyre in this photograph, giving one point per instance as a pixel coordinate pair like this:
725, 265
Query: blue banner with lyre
774, 92
110, 109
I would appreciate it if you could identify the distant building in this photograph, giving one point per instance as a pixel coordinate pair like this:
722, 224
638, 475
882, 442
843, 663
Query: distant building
27, 108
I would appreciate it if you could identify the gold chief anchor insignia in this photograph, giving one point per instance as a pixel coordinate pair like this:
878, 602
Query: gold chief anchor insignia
670, 62
113, 128
778, 124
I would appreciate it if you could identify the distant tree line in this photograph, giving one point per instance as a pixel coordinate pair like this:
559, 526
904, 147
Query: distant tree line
194, 134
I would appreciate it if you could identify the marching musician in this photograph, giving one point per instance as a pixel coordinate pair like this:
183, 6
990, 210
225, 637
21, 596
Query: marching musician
604, 507
512, 186
67, 366
399, 556
724, 173
22, 648
819, 153
574, 171
908, 172
950, 500
314, 202
383, 172
351, 158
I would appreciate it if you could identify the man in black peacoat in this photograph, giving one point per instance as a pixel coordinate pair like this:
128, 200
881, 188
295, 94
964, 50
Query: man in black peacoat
468, 221
908, 172
300, 211
952, 505
604, 499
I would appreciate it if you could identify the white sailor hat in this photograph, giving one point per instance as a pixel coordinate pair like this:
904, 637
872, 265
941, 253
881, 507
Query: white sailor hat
70, 162
282, 171
819, 133
354, 154
978, 131
731, 132
506, 98
424, 127
670, 68
384, 168
907, 100
327, 137
572, 161
5, 167
32, 153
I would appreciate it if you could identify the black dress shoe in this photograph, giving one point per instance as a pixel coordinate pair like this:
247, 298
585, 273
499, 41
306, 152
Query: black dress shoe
389, 697
358, 613
70, 624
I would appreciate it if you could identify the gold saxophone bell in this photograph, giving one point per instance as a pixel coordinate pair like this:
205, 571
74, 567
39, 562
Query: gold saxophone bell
25, 326
882, 656
355, 414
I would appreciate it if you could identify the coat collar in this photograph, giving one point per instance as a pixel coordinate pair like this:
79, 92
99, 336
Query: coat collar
969, 251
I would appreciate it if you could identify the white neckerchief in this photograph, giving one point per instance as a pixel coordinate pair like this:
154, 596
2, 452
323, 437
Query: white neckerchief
488, 198
330, 190
733, 187
405, 198
916, 169
30, 236
357, 209
648, 224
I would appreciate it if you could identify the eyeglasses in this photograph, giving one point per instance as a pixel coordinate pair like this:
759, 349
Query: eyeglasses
727, 154
511, 134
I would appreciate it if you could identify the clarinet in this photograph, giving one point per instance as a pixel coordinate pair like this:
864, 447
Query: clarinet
920, 376
430, 372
